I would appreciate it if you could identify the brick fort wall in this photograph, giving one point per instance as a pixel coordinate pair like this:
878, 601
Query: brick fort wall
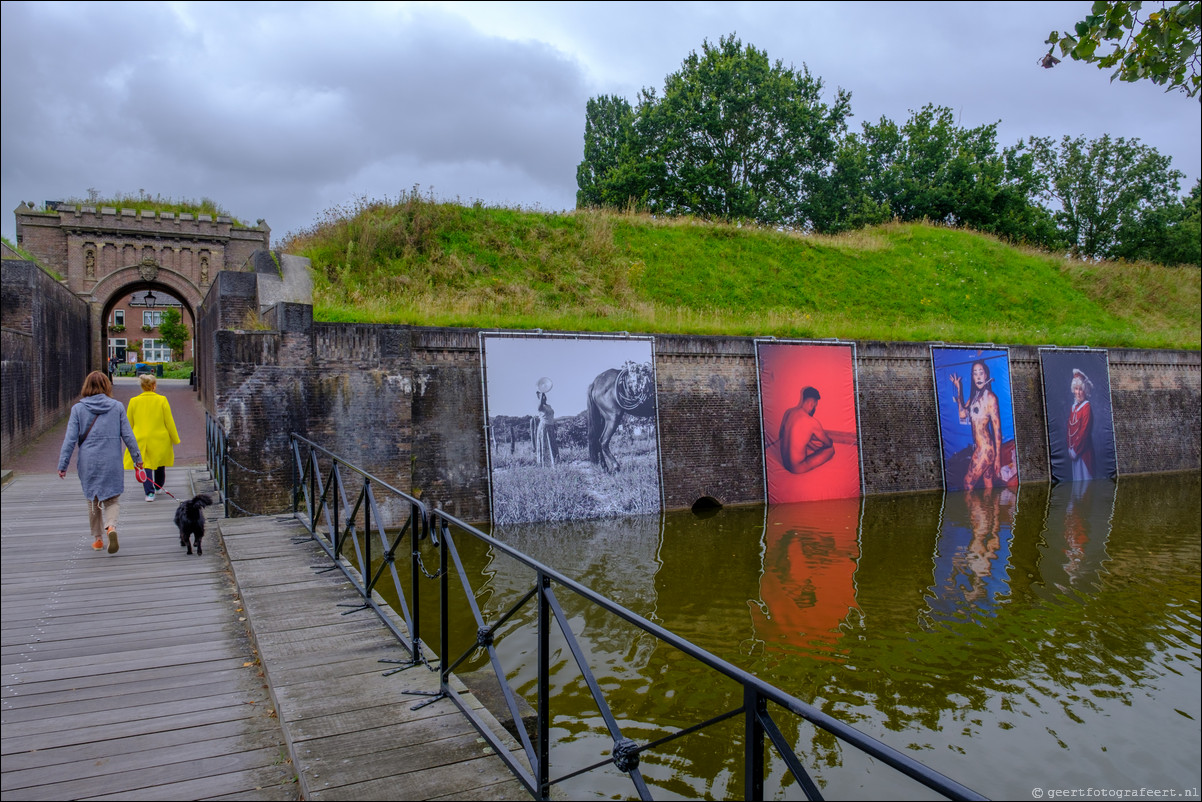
407, 404
45, 339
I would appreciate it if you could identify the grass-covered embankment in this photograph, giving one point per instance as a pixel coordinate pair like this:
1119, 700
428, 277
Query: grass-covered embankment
441, 264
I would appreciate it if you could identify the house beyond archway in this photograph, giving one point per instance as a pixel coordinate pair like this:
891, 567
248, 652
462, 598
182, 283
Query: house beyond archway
133, 318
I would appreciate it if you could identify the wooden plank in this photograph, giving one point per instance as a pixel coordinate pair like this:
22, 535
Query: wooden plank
160, 724
259, 727
464, 782
140, 698
118, 715
84, 768
442, 763
150, 677
274, 782
372, 731
130, 783
307, 721
145, 658
504, 790
336, 667
94, 645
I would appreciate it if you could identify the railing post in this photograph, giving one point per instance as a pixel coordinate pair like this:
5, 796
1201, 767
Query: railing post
416, 520
313, 467
543, 748
225, 475
295, 476
367, 570
753, 747
444, 618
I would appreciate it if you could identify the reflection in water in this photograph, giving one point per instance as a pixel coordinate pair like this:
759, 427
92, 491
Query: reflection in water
616, 557
973, 553
1066, 651
1073, 547
807, 590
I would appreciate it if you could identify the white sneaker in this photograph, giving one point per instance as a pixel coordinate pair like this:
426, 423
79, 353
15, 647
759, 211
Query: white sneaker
150, 496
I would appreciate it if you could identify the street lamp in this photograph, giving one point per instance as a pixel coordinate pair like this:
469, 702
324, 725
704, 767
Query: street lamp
149, 300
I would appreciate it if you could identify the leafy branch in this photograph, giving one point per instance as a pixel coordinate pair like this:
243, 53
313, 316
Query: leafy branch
1162, 48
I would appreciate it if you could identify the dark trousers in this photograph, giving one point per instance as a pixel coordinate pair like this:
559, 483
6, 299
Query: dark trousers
160, 477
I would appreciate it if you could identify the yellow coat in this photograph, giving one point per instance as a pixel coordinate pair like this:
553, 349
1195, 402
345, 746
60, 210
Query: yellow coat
154, 428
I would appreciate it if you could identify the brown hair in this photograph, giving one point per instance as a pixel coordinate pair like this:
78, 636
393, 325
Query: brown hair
97, 383
148, 381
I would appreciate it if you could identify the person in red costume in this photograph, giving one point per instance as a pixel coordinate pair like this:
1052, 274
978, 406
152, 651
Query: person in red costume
1080, 428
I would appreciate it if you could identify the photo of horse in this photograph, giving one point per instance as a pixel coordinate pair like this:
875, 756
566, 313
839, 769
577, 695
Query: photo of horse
572, 426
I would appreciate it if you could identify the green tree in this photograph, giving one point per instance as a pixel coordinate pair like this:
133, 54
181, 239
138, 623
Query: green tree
608, 136
931, 168
743, 138
847, 198
1170, 234
734, 137
173, 332
1102, 188
617, 171
1162, 47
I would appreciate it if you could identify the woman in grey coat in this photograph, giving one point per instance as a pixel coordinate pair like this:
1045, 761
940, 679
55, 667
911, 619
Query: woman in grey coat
99, 427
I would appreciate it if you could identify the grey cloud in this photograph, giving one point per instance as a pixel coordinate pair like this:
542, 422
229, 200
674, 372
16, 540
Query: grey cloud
281, 110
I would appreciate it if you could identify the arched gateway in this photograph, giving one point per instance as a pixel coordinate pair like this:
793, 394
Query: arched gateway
106, 254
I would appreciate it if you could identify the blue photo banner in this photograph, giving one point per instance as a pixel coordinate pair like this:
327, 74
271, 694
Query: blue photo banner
976, 417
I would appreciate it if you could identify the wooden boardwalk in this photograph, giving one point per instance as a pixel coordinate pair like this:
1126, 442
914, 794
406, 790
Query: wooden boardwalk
353, 732
152, 675
131, 675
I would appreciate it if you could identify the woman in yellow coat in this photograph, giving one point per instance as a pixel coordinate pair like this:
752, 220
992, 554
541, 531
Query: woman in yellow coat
154, 428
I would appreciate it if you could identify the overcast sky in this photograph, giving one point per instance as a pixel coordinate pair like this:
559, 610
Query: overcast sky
284, 110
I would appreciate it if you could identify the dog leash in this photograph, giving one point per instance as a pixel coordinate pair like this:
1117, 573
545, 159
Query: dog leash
141, 475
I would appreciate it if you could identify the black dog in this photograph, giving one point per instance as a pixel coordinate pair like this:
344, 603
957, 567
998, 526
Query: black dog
190, 519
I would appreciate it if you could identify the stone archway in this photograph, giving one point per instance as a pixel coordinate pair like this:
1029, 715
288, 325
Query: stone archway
102, 251
147, 275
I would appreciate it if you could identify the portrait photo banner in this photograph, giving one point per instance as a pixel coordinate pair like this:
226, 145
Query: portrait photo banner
1076, 400
976, 417
572, 427
809, 422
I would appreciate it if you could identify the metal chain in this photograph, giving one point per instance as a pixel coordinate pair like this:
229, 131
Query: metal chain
422, 566
244, 510
228, 458
234, 504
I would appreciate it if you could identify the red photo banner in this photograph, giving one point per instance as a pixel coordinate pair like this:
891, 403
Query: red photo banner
808, 414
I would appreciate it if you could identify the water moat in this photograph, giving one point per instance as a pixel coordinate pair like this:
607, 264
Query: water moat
1044, 637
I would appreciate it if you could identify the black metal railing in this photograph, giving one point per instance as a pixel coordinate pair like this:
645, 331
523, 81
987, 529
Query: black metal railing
217, 458
759, 720
320, 502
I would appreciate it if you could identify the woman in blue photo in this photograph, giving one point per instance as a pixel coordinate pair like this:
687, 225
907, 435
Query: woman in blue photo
982, 412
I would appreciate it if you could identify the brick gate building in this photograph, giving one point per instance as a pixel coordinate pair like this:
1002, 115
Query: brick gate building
106, 255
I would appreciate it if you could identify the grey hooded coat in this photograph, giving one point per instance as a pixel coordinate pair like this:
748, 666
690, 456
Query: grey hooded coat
101, 473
